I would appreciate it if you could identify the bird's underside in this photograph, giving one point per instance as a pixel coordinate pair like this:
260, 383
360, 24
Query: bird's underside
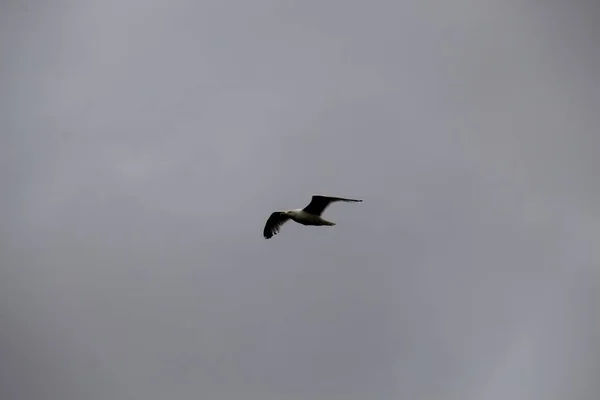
309, 215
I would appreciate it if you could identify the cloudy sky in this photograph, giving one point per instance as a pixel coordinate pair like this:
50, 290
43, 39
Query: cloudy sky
144, 144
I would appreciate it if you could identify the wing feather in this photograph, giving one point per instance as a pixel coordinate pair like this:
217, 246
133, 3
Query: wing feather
274, 223
319, 203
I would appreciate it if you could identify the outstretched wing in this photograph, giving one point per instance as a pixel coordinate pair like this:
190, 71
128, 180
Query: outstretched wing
274, 223
318, 204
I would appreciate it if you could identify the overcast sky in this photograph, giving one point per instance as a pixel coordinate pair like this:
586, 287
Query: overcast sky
144, 144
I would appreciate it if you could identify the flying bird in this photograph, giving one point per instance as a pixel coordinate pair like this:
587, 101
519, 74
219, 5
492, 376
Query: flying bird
309, 215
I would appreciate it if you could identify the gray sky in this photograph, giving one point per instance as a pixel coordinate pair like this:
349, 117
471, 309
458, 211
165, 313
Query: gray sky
144, 144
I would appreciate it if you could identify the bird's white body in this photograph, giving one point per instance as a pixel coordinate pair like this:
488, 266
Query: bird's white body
302, 217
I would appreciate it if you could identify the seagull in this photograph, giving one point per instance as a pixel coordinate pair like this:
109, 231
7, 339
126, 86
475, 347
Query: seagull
309, 215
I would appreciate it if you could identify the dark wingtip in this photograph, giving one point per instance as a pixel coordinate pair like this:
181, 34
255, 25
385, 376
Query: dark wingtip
269, 234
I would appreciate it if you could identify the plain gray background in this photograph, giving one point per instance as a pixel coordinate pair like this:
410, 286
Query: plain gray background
144, 144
